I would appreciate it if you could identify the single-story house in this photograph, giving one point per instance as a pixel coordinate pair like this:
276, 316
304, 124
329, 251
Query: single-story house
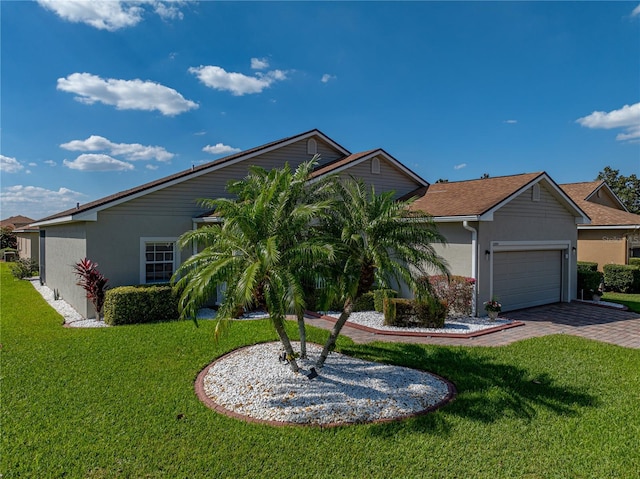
613, 236
28, 244
516, 235
132, 234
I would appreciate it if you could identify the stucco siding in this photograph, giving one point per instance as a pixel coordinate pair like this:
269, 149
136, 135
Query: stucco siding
603, 246
457, 250
65, 245
389, 178
28, 245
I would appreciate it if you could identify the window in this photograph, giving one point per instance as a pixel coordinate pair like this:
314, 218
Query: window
158, 259
535, 192
375, 165
312, 146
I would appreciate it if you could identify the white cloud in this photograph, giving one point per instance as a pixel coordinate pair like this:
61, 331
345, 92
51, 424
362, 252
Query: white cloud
36, 202
125, 94
131, 151
97, 162
220, 149
237, 83
50, 162
511, 122
627, 117
111, 15
259, 63
151, 167
33, 164
636, 11
460, 166
326, 78
9, 164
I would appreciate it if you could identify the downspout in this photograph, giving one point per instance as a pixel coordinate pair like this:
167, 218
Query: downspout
474, 264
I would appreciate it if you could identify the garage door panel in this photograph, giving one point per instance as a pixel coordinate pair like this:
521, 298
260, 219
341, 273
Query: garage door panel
523, 279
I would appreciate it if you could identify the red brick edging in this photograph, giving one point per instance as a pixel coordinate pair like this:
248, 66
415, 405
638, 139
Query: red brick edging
202, 395
473, 334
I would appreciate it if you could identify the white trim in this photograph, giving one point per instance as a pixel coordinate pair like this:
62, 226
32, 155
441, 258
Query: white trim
455, 219
208, 219
611, 227
157, 239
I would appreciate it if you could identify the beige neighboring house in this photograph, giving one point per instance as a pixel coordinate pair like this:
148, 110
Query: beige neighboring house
516, 235
27, 238
614, 234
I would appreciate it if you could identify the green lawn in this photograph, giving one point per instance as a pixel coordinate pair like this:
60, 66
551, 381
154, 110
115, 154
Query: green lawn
119, 402
632, 301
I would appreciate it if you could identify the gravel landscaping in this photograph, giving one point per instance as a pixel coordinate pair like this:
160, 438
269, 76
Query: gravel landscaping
253, 383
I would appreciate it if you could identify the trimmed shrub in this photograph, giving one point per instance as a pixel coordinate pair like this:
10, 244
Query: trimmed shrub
430, 313
378, 298
634, 261
456, 292
24, 268
589, 282
364, 302
622, 278
140, 304
587, 266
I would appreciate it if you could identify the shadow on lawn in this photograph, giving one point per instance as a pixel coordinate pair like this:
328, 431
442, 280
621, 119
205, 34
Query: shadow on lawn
487, 389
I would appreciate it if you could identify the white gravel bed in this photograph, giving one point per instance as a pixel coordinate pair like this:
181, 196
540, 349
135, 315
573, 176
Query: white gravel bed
253, 382
71, 317
375, 320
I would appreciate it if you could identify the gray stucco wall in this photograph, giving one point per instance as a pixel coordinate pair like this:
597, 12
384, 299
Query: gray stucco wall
65, 245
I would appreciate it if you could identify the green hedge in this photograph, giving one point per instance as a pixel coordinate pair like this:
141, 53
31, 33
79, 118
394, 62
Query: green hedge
364, 302
430, 313
378, 298
140, 304
587, 266
588, 282
622, 278
634, 261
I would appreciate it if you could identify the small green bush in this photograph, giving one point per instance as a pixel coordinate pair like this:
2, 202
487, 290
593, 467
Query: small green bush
140, 304
587, 266
622, 278
427, 313
634, 261
589, 281
364, 302
24, 268
378, 298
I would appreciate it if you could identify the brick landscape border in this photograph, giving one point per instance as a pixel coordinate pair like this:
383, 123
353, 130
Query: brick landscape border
210, 403
474, 334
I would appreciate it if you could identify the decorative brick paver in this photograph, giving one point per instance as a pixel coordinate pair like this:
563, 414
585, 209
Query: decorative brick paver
590, 321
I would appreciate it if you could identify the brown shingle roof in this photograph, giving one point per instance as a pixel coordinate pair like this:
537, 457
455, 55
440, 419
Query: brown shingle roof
471, 198
16, 221
329, 167
600, 215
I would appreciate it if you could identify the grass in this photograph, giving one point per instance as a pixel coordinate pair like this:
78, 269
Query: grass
632, 301
119, 402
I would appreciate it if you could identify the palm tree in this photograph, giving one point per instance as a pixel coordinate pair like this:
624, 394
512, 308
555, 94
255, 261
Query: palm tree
258, 250
380, 240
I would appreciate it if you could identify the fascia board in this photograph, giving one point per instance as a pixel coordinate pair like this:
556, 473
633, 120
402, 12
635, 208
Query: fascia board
611, 227
454, 219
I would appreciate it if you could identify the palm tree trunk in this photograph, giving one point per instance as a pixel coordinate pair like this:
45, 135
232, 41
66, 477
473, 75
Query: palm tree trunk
303, 336
284, 339
335, 332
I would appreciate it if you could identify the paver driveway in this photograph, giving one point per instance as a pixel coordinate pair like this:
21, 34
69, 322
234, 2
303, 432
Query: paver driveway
579, 319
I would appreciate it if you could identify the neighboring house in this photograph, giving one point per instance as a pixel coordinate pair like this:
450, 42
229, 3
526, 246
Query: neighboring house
132, 234
15, 222
27, 238
525, 223
614, 234
516, 235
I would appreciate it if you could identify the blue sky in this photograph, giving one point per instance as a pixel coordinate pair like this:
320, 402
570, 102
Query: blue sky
98, 97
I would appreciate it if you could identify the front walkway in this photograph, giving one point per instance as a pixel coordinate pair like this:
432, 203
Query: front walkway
578, 319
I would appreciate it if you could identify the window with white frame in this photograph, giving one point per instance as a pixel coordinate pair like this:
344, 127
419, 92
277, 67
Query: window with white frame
158, 259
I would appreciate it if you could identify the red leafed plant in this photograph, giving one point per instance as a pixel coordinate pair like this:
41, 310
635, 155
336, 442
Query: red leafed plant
93, 282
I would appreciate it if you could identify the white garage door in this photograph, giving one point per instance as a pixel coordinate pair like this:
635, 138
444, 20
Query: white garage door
522, 279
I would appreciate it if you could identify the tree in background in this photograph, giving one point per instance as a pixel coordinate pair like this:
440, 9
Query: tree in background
626, 187
7, 238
